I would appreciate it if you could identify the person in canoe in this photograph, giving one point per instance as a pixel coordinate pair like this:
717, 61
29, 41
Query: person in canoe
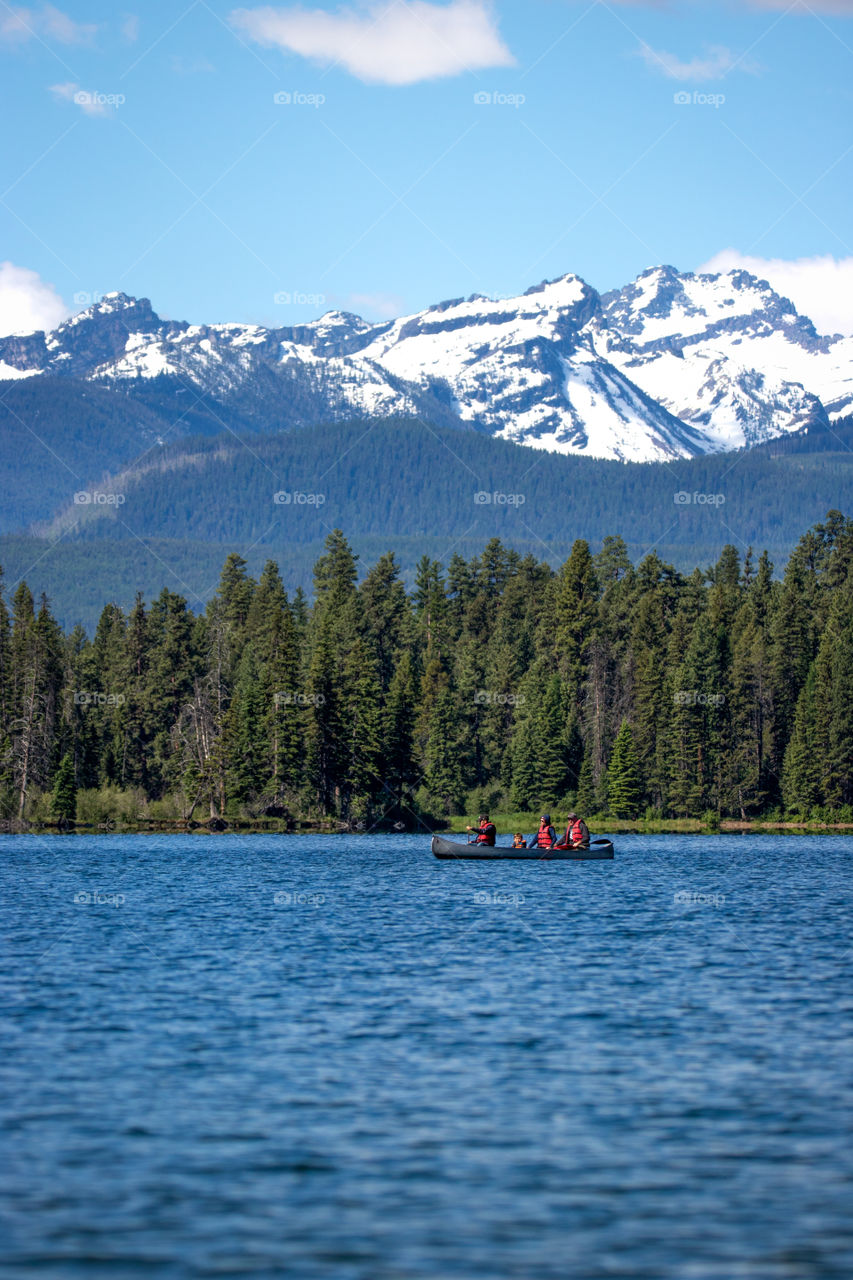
518, 841
486, 831
546, 836
577, 834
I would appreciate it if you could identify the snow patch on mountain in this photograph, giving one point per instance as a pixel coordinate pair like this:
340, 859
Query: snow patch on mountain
672, 365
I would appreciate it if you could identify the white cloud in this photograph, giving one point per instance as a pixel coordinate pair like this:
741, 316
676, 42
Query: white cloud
90, 101
130, 28
820, 288
385, 306
27, 302
844, 8
57, 25
397, 44
18, 25
716, 63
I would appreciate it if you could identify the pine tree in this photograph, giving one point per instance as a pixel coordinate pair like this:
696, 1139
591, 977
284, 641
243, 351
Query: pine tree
361, 715
525, 779
460, 590
5, 663
493, 569
64, 802
791, 654
36, 650
172, 667
745, 760
431, 609
474, 698
833, 703
335, 573
397, 763
552, 763
326, 750
135, 747
575, 611
585, 798
274, 636
385, 614
647, 674
443, 775
801, 778
235, 590
693, 755
624, 786
249, 772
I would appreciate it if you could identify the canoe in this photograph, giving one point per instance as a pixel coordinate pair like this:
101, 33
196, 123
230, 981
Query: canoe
598, 851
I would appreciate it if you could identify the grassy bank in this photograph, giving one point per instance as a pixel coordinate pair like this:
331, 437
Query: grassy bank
527, 823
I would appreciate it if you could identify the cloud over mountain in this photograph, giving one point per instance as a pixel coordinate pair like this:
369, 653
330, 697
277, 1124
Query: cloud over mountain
820, 287
27, 302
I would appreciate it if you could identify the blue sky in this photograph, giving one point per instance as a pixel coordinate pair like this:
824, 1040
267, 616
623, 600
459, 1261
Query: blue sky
417, 151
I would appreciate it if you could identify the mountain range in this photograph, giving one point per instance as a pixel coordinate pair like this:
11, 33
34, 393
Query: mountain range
682, 412
673, 365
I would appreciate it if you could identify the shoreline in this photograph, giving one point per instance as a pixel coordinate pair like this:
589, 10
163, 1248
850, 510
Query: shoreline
220, 826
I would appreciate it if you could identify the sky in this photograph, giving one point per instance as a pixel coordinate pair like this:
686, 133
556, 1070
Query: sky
265, 164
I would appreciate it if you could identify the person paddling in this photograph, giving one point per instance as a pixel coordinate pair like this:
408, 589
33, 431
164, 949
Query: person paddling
486, 831
546, 836
577, 834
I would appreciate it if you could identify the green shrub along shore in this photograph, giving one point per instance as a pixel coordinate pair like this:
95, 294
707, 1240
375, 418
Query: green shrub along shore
527, 823
637, 695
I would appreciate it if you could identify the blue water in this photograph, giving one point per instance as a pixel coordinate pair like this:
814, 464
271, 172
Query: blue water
336, 1057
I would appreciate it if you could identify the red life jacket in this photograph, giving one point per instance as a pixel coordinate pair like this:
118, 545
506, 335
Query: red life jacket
486, 833
574, 832
543, 838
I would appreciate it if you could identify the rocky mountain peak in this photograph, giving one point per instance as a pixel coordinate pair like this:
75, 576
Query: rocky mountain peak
671, 365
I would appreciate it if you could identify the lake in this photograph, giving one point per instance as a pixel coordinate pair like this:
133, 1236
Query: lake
315, 1056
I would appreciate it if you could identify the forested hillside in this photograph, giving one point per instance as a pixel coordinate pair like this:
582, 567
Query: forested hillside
619, 689
410, 479
411, 487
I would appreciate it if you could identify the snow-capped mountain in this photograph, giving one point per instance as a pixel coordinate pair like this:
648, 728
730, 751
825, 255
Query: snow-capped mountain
673, 365
725, 354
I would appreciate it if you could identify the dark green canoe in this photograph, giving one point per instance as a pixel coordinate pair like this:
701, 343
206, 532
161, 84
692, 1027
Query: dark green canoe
597, 852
